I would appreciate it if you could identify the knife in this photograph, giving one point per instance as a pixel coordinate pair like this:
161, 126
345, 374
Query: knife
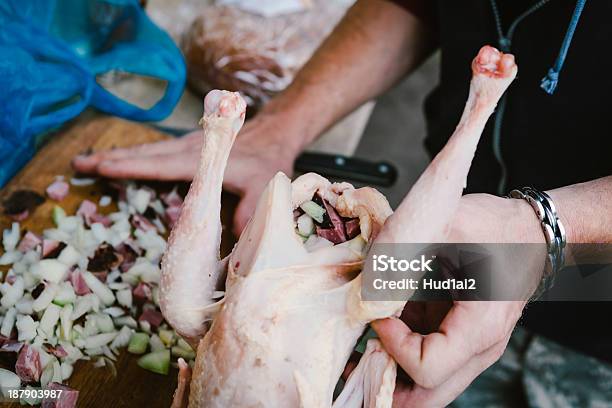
347, 168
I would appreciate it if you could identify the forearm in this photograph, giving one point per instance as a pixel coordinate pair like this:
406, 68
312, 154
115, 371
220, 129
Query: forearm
585, 210
375, 45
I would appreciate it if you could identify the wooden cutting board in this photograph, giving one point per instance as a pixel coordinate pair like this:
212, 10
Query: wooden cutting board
133, 386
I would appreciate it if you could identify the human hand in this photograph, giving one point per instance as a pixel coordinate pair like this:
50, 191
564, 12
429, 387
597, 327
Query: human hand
254, 159
444, 346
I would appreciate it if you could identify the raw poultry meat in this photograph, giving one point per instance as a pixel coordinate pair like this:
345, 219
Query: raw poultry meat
290, 318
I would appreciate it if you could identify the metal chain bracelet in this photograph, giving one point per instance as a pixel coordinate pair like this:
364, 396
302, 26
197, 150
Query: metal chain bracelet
553, 229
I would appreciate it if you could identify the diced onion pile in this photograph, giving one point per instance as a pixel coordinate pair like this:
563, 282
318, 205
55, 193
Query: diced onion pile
87, 288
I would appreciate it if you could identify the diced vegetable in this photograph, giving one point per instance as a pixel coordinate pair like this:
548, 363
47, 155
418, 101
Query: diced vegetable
97, 287
65, 294
104, 322
313, 210
157, 362
66, 370
126, 321
138, 198
8, 322
26, 328
167, 336
82, 181
123, 338
68, 397
138, 343
28, 366
156, 343
69, 256
66, 322
58, 214
305, 225
187, 354
45, 298
183, 344
10, 237
50, 270
58, 190
104, 201
99, 340
49, 319
13, 294
24, 305
124, 297
114, 311
8, 381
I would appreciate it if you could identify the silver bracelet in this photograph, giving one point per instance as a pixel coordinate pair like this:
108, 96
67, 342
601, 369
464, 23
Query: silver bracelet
553, 229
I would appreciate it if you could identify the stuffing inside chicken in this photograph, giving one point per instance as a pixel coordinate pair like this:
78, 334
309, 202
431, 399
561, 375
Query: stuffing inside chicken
292, 311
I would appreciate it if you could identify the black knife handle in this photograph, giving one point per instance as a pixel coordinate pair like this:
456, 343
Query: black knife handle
347, 168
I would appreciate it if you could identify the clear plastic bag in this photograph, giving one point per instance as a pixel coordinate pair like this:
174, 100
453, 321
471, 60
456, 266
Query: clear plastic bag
229, 48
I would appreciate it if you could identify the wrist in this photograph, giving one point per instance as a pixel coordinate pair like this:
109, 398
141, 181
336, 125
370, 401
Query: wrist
531, 228
573, 234
276, 131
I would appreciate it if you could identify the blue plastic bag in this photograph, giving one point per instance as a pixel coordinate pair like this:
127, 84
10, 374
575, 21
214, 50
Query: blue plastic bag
50, 54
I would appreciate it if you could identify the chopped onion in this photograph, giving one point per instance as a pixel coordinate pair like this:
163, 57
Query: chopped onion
305, 225
69, 256
26, 328
66, 370
83, 305
66, 322
156, 343
13, 293
99, 340
10, 237
65, 294
10, 257
104, 323
8, 322
8, 381
45, 298
82, 181
128, 321
118, 285
100, 362
122, 339
114, 311
50, 270
98, 288
49, 319
24, 305
104, 201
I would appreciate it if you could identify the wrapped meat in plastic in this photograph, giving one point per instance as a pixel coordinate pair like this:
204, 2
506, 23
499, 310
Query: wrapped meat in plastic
229, 48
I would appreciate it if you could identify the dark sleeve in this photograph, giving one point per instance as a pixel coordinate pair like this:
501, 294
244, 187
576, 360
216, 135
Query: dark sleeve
422, 9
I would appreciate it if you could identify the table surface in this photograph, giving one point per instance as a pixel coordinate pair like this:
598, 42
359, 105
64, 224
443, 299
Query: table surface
133, 386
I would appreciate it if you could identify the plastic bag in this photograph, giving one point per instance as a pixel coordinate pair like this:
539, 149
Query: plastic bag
50, 54
227, 47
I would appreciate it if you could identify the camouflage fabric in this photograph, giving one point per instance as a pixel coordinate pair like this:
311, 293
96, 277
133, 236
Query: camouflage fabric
536, 372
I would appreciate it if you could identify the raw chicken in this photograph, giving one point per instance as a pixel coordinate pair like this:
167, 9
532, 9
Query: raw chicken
290, 318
